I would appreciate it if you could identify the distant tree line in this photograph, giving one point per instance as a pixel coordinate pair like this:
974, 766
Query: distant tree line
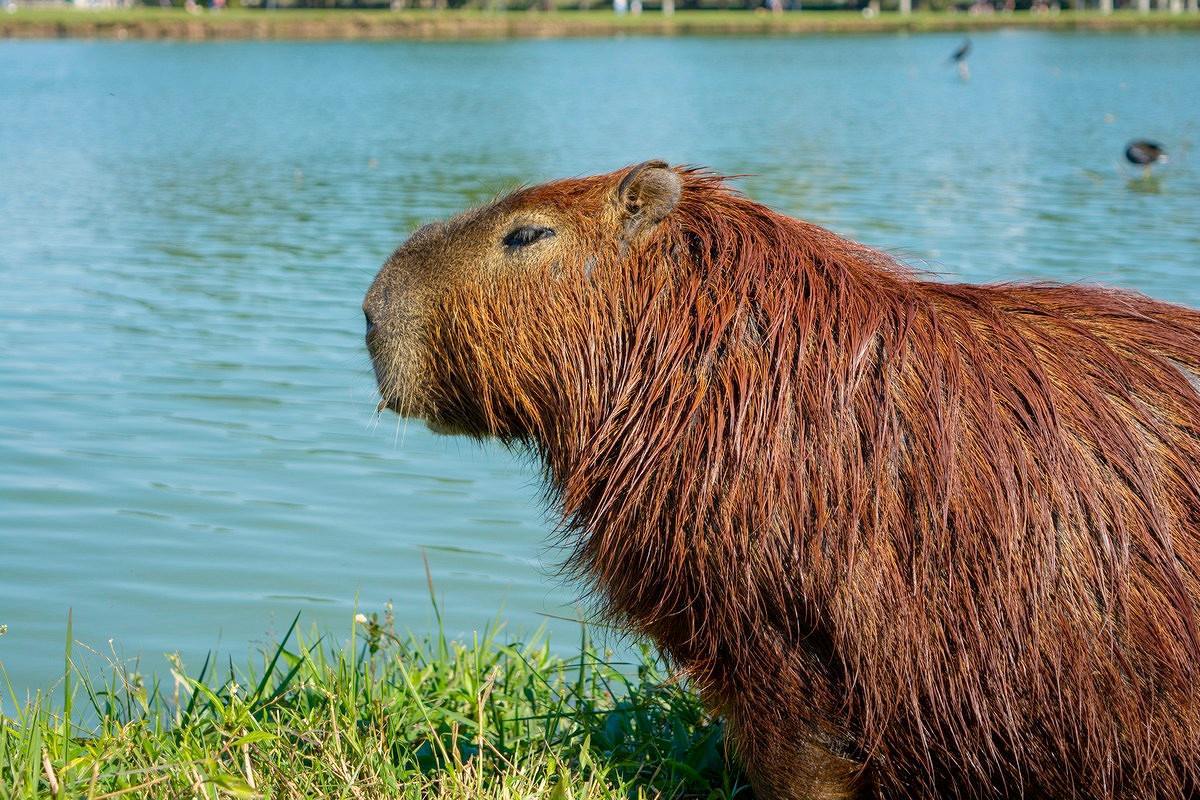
976, 6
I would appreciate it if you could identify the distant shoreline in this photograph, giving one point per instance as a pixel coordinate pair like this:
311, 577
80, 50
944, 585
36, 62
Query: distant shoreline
319, 24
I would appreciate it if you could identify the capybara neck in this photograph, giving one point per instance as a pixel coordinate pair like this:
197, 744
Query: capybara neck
743, 342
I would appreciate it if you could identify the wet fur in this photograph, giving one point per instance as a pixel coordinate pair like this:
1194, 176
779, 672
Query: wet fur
913, 539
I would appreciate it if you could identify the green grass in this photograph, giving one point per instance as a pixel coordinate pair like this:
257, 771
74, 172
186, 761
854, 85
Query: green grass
473, 23
380, 716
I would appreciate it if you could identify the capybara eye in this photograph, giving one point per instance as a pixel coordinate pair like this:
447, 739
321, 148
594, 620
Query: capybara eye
526, 235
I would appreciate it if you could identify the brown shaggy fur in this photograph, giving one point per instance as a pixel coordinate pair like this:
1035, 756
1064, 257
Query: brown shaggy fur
912, 539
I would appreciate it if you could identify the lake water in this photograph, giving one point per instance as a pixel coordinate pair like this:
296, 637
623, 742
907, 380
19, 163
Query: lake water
188, 454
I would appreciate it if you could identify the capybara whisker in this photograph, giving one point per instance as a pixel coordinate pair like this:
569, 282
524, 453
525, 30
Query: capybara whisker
910, 538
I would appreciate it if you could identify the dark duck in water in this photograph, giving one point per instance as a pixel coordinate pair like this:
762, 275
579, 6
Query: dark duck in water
1145, 153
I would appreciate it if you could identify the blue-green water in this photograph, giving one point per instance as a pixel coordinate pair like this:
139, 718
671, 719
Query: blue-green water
188, 454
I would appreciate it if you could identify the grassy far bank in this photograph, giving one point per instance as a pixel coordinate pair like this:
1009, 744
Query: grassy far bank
167, 23
382, 716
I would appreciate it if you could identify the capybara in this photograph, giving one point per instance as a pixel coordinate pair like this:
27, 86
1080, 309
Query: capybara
911, 539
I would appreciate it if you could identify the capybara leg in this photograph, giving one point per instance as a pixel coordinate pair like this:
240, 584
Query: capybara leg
799, 770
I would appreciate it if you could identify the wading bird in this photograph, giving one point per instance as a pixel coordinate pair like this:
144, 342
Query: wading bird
959, 57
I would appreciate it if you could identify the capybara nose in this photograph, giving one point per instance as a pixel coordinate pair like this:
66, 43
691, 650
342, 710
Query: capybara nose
375, 308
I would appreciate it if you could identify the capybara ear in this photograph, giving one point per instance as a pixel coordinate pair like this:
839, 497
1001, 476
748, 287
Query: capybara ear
647, 194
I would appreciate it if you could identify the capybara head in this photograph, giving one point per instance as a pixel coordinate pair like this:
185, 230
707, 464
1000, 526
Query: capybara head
453, 315
910, 538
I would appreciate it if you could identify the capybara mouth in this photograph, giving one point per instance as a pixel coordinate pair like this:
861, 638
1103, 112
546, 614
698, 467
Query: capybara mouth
398, 403
402, 396
392, 376
434, 423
